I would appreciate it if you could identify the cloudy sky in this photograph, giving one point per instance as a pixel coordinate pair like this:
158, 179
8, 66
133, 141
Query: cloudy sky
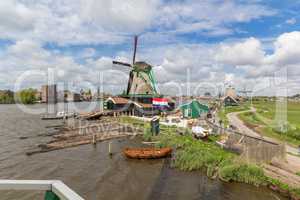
194, 45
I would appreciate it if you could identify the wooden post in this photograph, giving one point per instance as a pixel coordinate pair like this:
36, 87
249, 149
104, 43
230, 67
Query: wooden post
110, 148
94, 141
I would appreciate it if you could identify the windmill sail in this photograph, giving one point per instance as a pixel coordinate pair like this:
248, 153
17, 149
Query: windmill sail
134, 50
141, 78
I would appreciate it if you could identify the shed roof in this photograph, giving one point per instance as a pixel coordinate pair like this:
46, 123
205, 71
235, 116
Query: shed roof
231, 97
194, 102
118, 100
121, 100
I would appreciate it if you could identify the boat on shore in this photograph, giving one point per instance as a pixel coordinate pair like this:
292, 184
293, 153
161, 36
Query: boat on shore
147, 153
59, 115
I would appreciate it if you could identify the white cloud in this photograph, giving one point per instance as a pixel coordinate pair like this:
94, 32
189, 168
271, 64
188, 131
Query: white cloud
287, 49
16, 16
248, 52
249, 57
108, 22
120, 15
209, 17
291, 21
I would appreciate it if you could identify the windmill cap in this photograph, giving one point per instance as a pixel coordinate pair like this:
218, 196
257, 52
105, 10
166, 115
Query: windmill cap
142, 65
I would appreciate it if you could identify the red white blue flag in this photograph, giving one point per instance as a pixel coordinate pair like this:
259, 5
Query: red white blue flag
160, 102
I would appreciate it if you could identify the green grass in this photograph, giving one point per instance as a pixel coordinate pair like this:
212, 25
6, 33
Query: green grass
229, 109
194, 154
265, 119
251, 118
268, 110
133, 121
298, 173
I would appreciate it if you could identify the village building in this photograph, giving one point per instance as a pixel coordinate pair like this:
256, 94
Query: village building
194, 109
130, 107
72, 97
49, 94
230, 101
230, 98
86, 95
68, 96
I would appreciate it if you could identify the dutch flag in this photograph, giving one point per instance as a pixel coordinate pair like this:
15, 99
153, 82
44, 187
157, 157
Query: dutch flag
161, 102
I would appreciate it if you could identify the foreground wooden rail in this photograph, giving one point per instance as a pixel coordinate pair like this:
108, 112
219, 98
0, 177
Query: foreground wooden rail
55, 190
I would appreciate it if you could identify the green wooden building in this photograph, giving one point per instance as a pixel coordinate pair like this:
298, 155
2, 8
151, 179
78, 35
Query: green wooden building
193, 109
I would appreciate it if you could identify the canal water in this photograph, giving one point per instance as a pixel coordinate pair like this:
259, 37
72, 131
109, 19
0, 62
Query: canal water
96, 176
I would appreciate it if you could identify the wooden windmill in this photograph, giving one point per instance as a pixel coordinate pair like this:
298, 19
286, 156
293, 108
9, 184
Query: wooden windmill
141, 78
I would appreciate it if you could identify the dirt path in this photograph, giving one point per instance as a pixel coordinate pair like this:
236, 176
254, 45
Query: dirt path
239, 124
282, 171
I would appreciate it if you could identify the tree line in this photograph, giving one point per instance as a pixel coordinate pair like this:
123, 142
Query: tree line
25, 96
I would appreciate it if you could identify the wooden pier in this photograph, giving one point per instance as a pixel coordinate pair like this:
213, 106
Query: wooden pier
87, 134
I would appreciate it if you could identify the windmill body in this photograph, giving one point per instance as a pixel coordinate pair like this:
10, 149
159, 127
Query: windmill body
141, 87
141, 82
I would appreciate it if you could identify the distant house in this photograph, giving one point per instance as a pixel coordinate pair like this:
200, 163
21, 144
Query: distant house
116, 103
230, 98
72, 97
68, 96
193, 109
129, 106
86, 95
230, 101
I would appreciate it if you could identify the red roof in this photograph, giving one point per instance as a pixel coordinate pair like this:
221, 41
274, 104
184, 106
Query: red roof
121, 100
118, 100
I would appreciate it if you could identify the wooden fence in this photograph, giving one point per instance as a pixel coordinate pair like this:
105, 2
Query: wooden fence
251, 149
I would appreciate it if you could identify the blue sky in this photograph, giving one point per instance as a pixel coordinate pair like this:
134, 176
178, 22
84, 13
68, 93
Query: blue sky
241, 43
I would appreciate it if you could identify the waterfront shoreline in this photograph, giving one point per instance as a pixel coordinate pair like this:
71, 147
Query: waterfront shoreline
186, 162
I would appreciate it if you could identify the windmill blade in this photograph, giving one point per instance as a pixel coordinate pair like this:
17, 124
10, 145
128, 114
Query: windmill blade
130, 82
134, 48
122, 63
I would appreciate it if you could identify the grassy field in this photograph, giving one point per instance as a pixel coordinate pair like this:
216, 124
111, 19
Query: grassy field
264, 121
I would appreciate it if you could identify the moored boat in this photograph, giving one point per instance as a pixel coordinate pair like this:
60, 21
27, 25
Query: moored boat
147, 153
59, 115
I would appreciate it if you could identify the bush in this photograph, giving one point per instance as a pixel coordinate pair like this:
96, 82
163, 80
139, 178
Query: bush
244, 173
6, 97
26, 96
192, 154
286, 129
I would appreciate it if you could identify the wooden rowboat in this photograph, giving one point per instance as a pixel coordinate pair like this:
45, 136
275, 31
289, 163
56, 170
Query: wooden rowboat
147, 153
